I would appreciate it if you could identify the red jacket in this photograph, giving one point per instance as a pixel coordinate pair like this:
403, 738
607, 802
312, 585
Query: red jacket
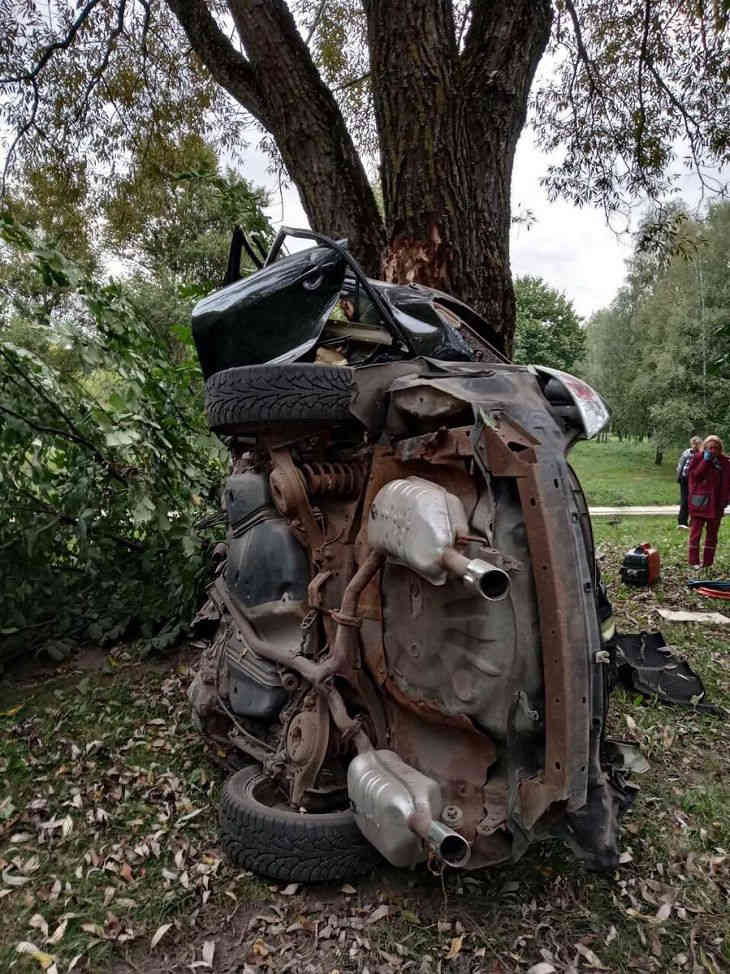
709, 485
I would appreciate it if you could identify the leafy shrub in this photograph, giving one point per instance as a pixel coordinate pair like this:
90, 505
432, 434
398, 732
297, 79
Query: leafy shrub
108, 474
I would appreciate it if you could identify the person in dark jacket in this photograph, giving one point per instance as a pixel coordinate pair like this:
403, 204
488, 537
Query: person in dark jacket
683, 480
709, 493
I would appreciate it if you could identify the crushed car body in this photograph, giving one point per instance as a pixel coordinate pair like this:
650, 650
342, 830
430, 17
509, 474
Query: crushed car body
406, 651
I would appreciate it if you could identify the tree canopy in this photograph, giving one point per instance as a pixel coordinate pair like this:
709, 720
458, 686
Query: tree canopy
548, 329
435, 92
660, 354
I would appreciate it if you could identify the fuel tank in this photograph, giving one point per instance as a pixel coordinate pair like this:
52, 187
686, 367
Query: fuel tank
267, 574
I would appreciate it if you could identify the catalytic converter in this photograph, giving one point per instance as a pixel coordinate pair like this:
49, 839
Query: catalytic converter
417, 523
396, 808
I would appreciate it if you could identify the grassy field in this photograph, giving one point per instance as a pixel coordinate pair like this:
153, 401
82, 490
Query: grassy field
616, 473
109, 858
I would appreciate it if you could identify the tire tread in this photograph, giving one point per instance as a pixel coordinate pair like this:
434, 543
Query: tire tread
278, 393
282, 846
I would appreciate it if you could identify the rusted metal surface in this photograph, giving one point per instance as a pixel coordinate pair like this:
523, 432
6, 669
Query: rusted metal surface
443, 446
458, 759
289, 491
342, 479
560, 582
307, 739
494, 696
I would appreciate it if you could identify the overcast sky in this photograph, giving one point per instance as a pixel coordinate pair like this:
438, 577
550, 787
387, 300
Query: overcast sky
573, 249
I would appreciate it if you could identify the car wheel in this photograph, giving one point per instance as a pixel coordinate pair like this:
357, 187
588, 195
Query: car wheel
260, 833
297, 392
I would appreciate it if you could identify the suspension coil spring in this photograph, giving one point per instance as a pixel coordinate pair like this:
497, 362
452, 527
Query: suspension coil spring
343, 479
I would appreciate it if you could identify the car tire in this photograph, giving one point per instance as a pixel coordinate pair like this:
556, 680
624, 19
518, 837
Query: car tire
285, 845
297, 392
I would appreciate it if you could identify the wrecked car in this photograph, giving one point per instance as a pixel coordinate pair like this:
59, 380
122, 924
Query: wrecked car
406, 659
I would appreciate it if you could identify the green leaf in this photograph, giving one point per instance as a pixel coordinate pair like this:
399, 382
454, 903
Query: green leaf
143, 510
123, 437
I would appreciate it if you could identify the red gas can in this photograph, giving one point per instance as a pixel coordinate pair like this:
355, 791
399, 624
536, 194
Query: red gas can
641, 565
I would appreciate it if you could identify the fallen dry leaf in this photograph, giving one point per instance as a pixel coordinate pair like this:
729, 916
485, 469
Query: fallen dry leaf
260, 948
542, 968
38, 922
13, 879
590, 957
58, 933
455, 947
46, 961
159, 934
662, 913
379, 914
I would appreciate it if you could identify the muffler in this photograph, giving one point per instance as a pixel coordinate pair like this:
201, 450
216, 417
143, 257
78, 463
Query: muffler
417, 523
396, 808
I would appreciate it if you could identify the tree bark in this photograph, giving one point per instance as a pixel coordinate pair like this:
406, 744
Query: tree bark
448, 123
278, 83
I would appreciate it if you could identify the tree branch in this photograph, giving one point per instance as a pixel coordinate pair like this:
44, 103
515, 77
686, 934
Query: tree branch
99, 71
642, 60
43, 507
227, 65
500, 35
71, 434
56, 46
21, 134
66, 435
580, 44
353, 82
315, 22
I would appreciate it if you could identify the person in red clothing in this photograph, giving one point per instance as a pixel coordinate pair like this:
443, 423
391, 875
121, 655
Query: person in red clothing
709, 493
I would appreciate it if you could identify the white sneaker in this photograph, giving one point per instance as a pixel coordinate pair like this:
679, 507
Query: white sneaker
694, 566
684, 527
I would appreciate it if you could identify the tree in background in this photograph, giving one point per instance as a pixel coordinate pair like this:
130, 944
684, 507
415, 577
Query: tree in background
174, 211
435, 91
660, 352
548, 330
611, 361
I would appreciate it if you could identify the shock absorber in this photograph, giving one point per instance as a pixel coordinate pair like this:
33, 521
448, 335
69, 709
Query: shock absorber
341, 479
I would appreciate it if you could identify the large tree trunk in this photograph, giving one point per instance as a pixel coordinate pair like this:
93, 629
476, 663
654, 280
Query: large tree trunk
448, 123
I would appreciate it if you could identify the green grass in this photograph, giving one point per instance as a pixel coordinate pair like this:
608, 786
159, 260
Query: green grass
615, 474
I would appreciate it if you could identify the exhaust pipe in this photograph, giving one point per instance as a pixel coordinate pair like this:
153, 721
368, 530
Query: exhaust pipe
396, 808
492, 583
417, 523
449, 846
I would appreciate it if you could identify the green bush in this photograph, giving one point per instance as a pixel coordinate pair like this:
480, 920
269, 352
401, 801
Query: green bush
108, 474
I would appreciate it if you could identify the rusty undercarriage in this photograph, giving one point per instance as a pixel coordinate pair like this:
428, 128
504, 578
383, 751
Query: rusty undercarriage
407, 655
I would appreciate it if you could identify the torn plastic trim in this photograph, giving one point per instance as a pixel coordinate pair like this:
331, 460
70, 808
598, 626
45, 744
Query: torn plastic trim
593, 411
